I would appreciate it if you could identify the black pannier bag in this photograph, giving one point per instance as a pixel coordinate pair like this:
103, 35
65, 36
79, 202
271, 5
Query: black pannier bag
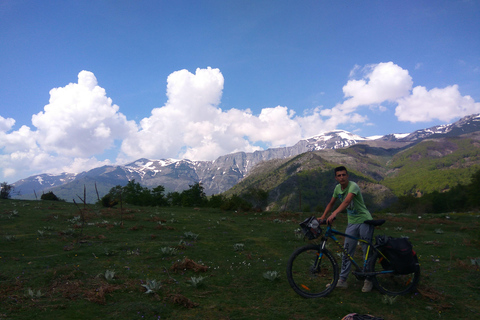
399, 253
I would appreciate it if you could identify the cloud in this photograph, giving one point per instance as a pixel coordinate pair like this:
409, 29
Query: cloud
6, 124
379, 83
382, 82
85, 122
191, 124
443, 104
80, 121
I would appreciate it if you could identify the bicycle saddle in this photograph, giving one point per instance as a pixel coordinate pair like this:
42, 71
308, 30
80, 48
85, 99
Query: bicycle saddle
375, 223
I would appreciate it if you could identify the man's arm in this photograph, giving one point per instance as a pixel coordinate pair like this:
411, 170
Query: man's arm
328, 208
341, 207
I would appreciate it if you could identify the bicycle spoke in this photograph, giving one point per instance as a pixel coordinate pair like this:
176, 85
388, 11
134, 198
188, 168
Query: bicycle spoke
392, 283
311, 274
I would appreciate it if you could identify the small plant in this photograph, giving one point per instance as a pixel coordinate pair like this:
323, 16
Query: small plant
109, 275
271, 275
10, 237
475, 262
32, 294
41, 233
298, 233
69, 232
169, 251
190, 235
238, 247
152, 286
74, 220
196, 281
398, 228
133, 252
109, 252
386, 299
438, 231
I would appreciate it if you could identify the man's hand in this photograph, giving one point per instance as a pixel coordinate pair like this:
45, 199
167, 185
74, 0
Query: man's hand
331, 218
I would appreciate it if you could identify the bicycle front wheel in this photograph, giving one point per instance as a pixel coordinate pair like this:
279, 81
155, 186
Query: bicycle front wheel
312, 272
391, 283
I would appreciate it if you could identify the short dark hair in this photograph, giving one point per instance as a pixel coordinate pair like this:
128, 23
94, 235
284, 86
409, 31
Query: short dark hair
341, 168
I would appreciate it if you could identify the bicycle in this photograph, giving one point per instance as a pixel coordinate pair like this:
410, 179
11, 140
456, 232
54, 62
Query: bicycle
313, 272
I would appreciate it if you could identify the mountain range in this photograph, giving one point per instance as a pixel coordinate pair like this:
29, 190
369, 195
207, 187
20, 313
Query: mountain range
225, 172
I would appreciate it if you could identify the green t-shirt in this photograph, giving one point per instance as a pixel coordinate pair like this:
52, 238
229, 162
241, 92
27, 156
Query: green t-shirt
357, 212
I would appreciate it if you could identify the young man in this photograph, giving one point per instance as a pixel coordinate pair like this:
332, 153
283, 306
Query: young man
348, 192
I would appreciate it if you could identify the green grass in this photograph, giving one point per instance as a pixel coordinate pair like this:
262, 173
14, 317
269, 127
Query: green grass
67, 264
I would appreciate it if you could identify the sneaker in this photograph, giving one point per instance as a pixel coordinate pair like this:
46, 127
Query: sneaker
367, 286
342, 284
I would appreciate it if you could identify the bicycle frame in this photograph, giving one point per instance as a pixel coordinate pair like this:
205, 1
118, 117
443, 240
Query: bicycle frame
330, 233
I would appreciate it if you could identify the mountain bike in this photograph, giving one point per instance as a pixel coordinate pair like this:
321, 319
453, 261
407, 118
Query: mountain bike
313, 272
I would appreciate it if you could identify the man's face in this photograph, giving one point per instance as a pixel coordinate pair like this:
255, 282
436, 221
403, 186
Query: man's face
342, 177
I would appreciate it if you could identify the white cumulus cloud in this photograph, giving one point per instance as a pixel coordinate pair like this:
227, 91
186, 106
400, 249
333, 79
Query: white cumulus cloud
444, 104
6, 124
79, 122
192, 125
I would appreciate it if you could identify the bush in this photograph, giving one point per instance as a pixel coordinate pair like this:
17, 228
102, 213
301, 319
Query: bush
108, 201
6, 189
49, 196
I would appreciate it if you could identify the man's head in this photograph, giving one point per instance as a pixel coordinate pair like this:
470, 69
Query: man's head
341, 175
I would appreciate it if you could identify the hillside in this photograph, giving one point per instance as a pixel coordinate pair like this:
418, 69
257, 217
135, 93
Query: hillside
434, 165
306, 182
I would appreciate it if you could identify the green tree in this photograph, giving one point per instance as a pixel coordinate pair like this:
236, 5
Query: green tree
158, 197
174, 198
134, 193
257, 197
5, 190
473, 188
194, 197
112, 198
236, 202
216, 201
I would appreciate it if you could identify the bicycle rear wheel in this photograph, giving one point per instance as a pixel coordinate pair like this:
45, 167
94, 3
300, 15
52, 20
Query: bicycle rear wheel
311, 272
392, 283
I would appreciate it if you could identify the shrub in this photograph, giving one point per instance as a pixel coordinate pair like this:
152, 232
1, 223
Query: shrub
49, 196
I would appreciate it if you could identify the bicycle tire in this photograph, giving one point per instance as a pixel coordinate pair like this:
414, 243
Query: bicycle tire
393, 284
306, 279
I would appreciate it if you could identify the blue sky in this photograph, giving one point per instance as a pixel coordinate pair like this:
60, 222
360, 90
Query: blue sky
87, 83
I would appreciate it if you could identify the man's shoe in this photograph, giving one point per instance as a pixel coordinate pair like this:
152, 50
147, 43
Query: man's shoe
341, 284
367, 286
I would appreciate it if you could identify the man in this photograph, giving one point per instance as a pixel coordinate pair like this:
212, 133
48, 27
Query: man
348, 192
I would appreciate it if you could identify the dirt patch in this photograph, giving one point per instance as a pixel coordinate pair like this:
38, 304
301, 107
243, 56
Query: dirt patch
182, 300
188, 264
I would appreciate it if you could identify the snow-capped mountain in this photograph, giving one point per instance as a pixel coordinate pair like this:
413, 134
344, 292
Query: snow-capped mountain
331, 140
465, 125
224, 172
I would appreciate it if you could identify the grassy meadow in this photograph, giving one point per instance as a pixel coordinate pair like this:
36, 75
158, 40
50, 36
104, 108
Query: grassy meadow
62, 261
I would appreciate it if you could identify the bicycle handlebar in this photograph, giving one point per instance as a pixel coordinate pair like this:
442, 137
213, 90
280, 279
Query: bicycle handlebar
324, 221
